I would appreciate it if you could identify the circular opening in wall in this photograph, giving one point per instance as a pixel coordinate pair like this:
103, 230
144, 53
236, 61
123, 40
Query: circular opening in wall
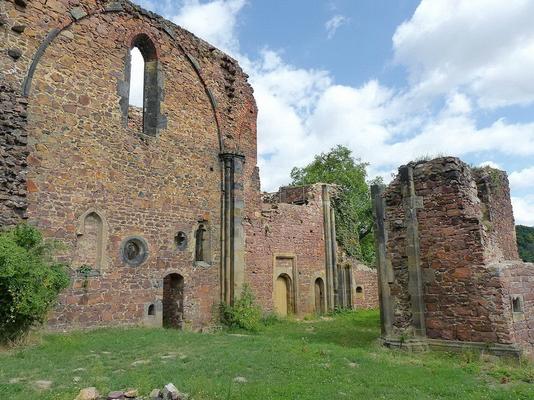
134, 251
180, 240
359, 289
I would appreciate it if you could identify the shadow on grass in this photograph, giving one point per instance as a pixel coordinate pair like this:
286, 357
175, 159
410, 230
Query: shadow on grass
356, 329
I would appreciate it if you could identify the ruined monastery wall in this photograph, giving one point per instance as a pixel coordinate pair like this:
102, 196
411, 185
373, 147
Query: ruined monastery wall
450, 268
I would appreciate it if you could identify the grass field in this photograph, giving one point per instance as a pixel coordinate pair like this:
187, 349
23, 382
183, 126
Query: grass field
337, 358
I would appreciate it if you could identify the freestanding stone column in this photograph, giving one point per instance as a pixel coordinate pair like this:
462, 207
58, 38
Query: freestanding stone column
385, 273
330, 250
233, 235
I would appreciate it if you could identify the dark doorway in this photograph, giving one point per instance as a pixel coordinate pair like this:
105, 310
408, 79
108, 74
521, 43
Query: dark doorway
320, 307
173, 301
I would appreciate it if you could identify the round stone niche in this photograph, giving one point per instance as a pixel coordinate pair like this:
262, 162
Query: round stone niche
134, 251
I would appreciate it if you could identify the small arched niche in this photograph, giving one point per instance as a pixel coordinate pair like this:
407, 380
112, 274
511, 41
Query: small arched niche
320, 296
145, 90
203, 244
91, 241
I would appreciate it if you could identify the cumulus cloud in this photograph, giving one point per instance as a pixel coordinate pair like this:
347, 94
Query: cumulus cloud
334, 23
485, 45
523, 179
490, 164
523, 207
214, 21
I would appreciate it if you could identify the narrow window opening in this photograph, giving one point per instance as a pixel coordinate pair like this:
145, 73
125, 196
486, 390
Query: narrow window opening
200, 243
517, 305
145, 90
137, 83
151, 310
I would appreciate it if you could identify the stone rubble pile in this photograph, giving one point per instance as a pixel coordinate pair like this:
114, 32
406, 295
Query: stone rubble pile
169, 392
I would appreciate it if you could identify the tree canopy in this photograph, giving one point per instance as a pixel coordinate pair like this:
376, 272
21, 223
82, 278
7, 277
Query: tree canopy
525, 242
354, 219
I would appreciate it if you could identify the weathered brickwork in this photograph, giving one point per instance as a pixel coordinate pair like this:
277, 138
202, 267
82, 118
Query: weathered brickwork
147, 204
13, 154
291, 226
454, 227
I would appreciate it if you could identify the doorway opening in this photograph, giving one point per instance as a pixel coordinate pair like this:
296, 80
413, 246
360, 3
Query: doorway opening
173, 301
283, 296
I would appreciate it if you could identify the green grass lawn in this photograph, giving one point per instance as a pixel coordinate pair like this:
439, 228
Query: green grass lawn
327, 359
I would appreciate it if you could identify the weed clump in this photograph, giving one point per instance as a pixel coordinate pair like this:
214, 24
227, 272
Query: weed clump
245, 313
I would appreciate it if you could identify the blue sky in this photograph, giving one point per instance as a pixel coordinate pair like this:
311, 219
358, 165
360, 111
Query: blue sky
392, 80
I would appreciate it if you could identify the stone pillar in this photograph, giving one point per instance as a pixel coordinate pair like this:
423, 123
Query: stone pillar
233, 234
415, 278
383, 266
330, 250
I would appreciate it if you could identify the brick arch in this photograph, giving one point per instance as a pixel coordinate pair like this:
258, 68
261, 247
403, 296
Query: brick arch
54, 33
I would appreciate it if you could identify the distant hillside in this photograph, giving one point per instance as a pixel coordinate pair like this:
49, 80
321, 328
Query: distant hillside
525, 242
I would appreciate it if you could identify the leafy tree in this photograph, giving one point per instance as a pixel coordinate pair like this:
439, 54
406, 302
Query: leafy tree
353, 210
30, 280
525, 242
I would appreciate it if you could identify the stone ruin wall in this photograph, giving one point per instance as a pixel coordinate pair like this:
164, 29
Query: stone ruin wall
499, 237
467, 253
81, 158
282, 233
13, 155
291, 225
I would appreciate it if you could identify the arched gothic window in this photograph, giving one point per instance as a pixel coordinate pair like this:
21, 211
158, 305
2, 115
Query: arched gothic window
145, 89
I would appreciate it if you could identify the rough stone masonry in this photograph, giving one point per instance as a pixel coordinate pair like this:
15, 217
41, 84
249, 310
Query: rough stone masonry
449, 271
159, 208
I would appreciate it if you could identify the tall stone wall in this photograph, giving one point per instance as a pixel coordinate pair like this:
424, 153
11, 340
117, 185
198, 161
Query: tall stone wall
13, 154
93, 181
447, 255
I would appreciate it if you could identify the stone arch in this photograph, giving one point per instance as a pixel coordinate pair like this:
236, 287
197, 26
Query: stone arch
91, 242
119, 7
283, 295
320, 296
173, 301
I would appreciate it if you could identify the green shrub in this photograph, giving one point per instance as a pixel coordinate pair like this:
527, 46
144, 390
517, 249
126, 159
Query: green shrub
270, 319
244, 314
30, 280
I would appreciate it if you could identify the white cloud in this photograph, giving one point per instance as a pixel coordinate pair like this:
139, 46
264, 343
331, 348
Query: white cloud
485, 45
523, 207
490, 164
334, 23
523, 179
214, 21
